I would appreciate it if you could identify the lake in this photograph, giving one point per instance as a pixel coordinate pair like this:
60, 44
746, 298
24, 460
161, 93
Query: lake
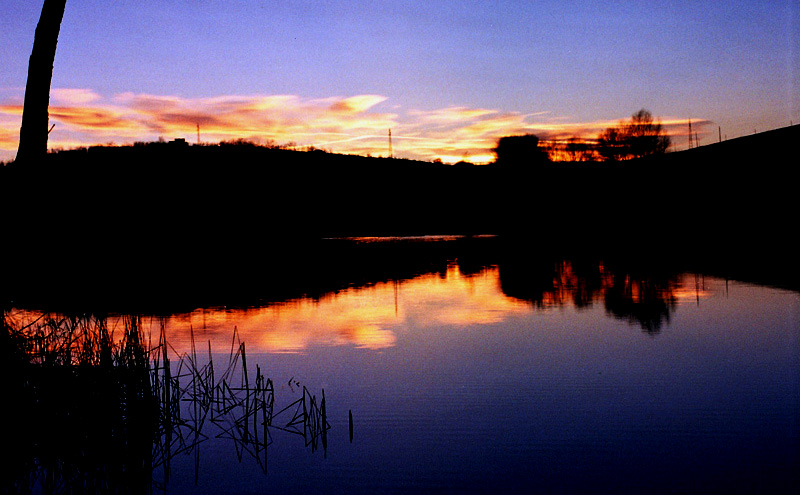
431, 368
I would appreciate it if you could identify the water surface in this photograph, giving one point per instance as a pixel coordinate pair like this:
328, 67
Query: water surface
567, 376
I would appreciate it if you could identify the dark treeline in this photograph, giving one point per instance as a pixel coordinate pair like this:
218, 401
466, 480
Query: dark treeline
232, 195
736, 195
165, 208
633, 139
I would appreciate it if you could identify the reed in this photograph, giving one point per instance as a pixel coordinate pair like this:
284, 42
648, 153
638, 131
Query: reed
91, 412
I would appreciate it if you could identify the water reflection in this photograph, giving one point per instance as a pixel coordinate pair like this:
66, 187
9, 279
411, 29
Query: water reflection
371, 316
366, 317
454, 293
481, 370
363, 278
643, 298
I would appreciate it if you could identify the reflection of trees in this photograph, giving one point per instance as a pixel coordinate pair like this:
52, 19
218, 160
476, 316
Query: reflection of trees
88, 413
551, 282
543, 277
646, 301
640, 298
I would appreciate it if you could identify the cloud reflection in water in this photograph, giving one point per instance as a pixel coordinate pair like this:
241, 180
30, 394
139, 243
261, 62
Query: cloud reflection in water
368, 317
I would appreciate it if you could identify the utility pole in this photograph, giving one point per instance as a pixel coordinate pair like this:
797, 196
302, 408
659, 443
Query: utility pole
198, 134
690, 133
391, 153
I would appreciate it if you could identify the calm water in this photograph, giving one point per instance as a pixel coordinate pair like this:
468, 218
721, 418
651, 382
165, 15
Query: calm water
578, 377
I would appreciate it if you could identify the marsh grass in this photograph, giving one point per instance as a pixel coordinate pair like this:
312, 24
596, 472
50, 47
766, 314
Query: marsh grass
88, 411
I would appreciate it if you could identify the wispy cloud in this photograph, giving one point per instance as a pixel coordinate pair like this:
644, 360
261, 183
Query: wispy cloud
344, 124
8, 141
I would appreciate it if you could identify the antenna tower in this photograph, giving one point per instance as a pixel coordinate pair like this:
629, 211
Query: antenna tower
391, 153
690, 133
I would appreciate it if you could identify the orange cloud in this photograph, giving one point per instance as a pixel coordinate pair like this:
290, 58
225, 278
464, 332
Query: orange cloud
11, 109
8, 141
356, 104
351, 124
96, 119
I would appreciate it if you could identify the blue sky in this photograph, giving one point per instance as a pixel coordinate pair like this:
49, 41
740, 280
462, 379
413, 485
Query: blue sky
448, 77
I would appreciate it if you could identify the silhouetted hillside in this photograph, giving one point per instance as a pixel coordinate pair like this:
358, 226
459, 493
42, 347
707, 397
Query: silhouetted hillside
165, 207
742, 189
771, 148
160, 211
167, 188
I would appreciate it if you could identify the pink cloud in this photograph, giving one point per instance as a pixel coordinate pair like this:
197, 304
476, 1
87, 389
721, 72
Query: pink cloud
353, 124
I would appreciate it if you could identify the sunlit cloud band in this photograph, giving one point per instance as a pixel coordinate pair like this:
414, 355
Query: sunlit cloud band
352, 124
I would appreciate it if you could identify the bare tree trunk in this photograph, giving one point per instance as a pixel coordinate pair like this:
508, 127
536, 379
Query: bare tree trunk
33, 132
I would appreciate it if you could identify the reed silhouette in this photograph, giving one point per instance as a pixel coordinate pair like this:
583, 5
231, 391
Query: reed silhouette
92, 412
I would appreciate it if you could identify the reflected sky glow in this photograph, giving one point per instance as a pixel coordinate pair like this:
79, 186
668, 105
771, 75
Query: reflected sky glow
375, 317
370, 317
488, 376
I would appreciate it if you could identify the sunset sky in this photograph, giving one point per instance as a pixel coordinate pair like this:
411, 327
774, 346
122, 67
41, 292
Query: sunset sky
447, 77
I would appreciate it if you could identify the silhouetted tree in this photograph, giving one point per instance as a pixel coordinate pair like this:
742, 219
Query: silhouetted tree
645, 136
34, 129
520, 151
637, 138
578, 150
611, 145
553, 150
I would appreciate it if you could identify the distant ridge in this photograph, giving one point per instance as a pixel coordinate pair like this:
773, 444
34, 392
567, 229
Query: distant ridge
152, 214
776, 144
177, 204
